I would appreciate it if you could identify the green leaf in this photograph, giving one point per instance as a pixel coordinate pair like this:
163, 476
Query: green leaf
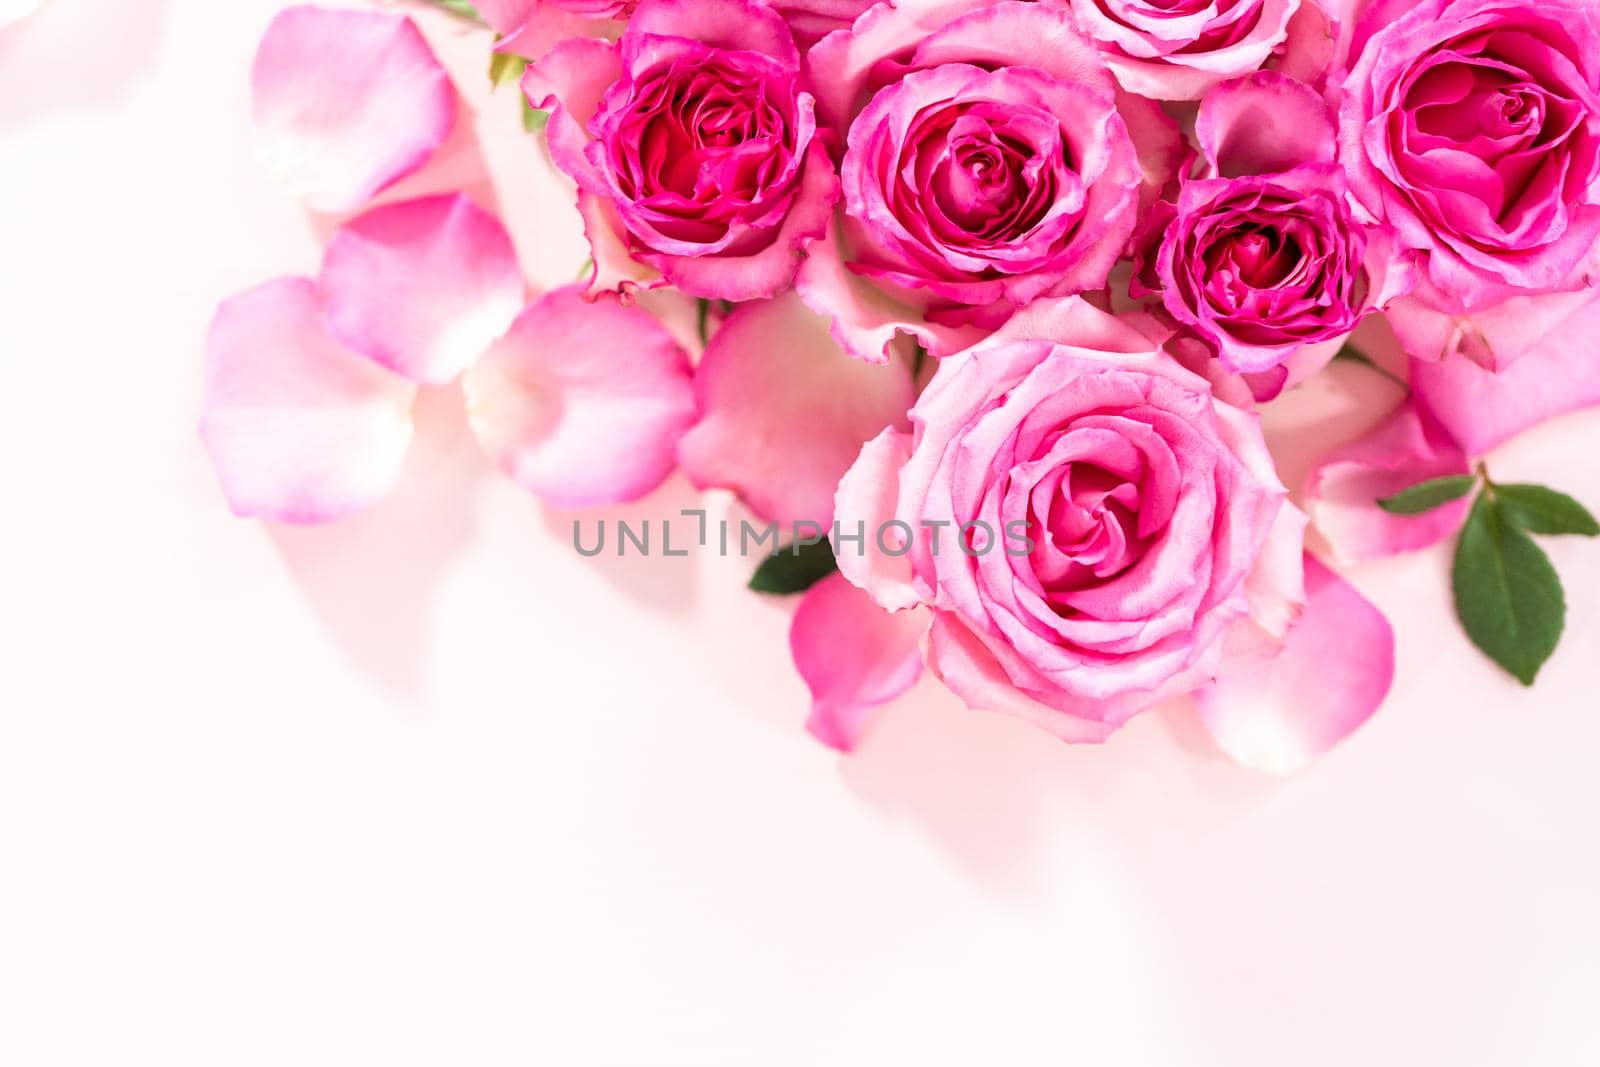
533, 120
794, 568
1507, 594
1544, 511
506, 69
1425, 496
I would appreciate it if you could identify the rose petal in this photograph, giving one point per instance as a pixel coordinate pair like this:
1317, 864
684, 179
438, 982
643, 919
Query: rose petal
423, 287
1312, 43
1277, 713
613, 270
1495, 337
963, 664
1342, 493
1159, 142
785, 412
1265, 123
854, 656
582, 403
866, 503
744, 25
1276, 588
346, 103
1481, 409
506, 16
866, 319
300, 428
569, 82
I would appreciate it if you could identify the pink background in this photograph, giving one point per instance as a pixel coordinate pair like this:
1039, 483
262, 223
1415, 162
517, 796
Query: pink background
427, 788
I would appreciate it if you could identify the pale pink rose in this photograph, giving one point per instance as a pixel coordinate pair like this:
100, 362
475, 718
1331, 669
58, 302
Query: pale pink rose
1473, 128
985, 165
1177, 49
693, 148
1157, 523
1259, 256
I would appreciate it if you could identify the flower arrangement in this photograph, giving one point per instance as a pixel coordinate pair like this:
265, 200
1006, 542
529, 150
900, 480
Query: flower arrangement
990, 294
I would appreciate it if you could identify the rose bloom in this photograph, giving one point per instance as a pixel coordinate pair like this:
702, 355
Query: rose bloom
1177, 49
1259, 256
985, 165
1157, 523
1261, 267
1473, 127
693, 148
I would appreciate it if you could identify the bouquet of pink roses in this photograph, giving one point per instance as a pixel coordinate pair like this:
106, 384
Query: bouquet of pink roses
988, 295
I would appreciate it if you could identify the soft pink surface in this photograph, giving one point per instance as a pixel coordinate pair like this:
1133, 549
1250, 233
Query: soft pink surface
425, 787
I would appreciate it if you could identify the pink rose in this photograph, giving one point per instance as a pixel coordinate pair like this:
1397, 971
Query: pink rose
986, 165
1260, 257
692, 146
1473, 127
1178, 49
1154, 523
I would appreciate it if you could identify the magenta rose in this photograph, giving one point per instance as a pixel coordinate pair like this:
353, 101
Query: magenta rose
1473, 127
1177, 49
1153, 521
1261, 267
1259, 256
693, 148
985, 165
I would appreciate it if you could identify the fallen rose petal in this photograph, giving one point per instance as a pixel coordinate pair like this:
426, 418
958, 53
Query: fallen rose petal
1342, 493
506, 16
550, 27
423, 287
1495, 337
1277, 713
582, 403
784, 412
346, 103
1481, 409
299, 427
854, 656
